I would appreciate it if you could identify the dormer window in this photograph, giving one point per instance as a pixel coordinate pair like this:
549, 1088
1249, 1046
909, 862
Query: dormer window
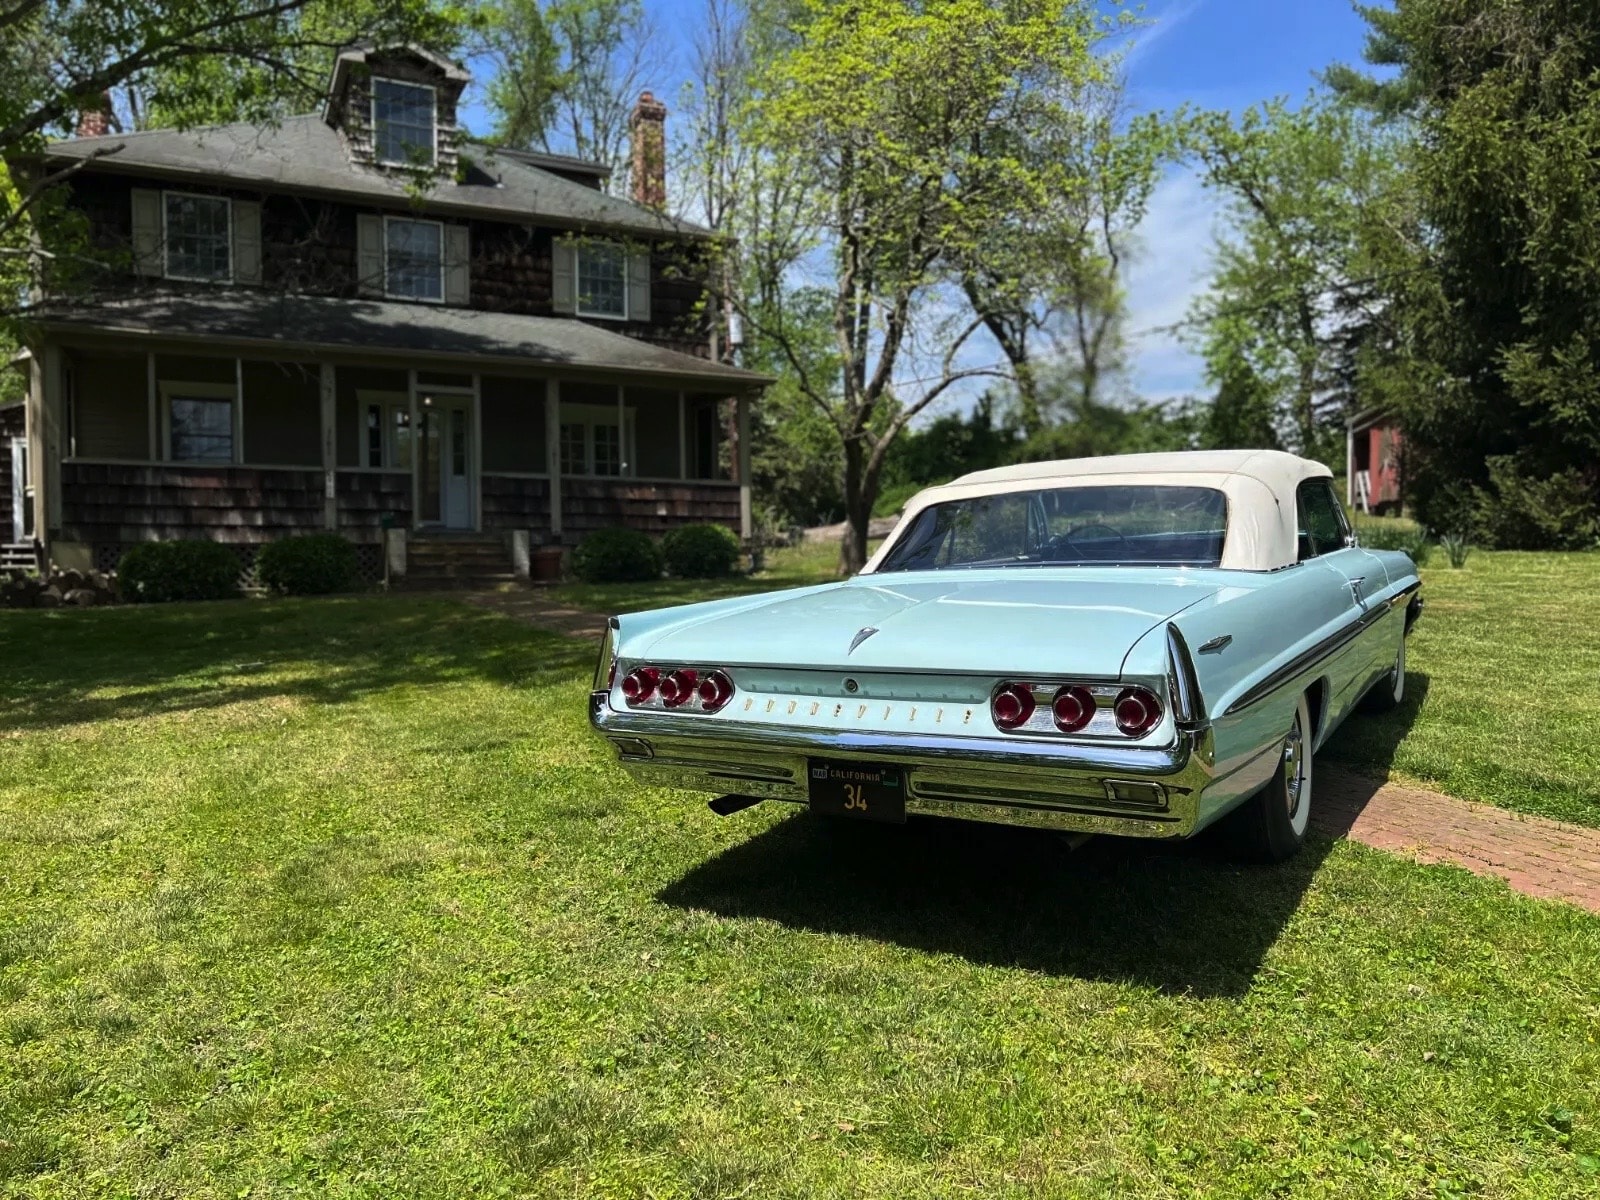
403, 123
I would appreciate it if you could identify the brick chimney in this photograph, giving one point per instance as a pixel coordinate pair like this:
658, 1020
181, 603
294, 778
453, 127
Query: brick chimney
649, 129
97, 122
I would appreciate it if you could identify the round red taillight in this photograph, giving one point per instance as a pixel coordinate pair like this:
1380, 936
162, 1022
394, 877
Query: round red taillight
1012, 705
678, 688
1137, 711
639, 684
1073, 708
716, 689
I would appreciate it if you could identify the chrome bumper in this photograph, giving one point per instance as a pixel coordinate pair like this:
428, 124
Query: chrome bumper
1132, 791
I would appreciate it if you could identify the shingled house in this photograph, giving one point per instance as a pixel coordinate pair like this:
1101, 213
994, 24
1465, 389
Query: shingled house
359, 320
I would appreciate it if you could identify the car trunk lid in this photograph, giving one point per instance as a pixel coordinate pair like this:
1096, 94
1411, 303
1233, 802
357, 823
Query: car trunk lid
1012, 621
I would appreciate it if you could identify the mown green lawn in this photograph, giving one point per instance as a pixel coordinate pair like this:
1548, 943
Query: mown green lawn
1503, 686
338, 898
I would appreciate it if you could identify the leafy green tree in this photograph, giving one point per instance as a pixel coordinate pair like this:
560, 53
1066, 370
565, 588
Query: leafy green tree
567, 74
874, 124
1300, 187
1049, 284
1492, 296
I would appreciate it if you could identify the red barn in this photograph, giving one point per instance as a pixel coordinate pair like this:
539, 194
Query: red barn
1372, 463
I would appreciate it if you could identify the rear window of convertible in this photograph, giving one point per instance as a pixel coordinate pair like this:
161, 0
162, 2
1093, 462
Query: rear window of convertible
1137, 524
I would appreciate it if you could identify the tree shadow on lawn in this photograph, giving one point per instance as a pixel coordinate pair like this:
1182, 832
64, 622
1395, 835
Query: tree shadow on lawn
1180, 917
67, 667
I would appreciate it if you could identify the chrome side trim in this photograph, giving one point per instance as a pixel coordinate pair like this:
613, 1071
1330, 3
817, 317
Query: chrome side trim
1306, 659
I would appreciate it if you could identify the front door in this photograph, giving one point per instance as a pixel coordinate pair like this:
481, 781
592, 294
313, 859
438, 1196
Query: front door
445, 474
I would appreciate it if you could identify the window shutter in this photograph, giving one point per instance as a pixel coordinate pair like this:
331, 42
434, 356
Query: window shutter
564, 277
369, 254
639, 285
146, 231
246, 241
457, 259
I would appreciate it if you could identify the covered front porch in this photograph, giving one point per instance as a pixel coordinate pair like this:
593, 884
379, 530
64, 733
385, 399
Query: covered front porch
160, 438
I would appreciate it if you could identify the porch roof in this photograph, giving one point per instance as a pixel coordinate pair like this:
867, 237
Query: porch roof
387, 329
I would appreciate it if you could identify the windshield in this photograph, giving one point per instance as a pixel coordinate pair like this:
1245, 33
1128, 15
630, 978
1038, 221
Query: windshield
1140, 524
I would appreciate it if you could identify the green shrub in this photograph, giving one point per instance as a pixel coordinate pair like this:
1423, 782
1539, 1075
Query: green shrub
155, 572
1388, 533
700, 551
1525, 508
313, 565
616, 556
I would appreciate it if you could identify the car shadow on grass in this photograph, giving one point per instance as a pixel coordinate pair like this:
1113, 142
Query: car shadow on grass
1180, 917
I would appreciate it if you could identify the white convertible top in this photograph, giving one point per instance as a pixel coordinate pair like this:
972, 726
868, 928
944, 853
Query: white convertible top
1260, 485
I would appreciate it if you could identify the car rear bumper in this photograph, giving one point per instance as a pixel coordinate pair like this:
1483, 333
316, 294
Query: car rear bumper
1131, 791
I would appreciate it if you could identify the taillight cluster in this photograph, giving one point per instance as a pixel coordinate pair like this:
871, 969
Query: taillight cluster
681, 688
1135, 710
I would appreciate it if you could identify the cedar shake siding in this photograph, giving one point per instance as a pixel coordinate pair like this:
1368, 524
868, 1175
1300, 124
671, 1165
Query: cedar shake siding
309, 246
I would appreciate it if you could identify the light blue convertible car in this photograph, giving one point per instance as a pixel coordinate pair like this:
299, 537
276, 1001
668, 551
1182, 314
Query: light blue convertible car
1138, 645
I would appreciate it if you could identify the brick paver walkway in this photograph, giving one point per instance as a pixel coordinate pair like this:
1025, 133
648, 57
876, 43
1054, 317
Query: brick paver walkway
1536, 856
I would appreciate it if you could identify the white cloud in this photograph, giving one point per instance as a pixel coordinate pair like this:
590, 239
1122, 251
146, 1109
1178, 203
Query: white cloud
1168, 272
1143, 38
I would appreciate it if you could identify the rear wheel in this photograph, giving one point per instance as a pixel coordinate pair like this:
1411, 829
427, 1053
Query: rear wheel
1271, 825
1387, 693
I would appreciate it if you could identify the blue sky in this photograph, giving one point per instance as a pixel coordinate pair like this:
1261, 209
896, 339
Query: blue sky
1218, 54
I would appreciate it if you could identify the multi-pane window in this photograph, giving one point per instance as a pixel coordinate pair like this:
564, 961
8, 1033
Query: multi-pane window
607, 447
198, 237
602, 280
388, 435
202, 429
402, 122
574, 448
413, 259
591, 442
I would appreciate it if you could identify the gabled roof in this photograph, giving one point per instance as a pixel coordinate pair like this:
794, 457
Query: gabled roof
241, 317
304, 154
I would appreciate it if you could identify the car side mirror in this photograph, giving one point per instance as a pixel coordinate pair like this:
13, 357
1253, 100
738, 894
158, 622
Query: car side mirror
1352, 539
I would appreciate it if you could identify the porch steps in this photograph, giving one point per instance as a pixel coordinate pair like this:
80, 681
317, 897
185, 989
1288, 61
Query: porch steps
458, 561
19, 556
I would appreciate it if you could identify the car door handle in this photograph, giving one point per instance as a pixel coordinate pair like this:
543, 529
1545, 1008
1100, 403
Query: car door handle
1355, 590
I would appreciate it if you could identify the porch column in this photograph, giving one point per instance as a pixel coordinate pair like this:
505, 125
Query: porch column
552, 450
47, 423
683, 438
152, 406
330, 446
477, 452
742, 416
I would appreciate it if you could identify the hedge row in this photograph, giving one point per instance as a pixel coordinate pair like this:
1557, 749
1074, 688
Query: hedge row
629, 556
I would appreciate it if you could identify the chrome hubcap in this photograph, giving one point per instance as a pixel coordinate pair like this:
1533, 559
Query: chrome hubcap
1294, 769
